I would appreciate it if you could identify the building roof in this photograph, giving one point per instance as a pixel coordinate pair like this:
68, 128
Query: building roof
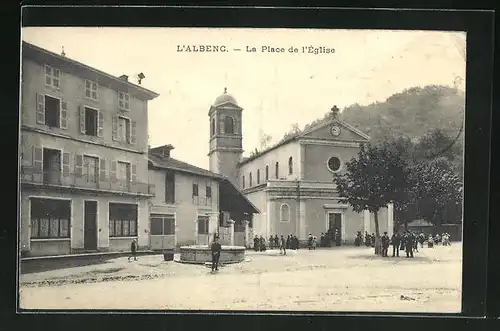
302, 134
79, 69
231, 198
225, 98
174, 164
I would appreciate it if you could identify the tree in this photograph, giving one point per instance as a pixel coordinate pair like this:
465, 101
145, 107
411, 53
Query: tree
377, 177
438, 192
294, 131
265, 139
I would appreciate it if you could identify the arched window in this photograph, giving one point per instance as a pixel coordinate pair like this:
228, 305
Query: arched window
285, 213
250, 180
277, 170
212, 128
258, 176
229, 124
243, 182
267, 172
290, 165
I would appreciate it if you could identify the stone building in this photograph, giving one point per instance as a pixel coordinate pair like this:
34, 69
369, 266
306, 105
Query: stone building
291, 183
84, 157
190, 204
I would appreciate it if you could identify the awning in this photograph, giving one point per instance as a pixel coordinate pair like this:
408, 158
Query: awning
232, 200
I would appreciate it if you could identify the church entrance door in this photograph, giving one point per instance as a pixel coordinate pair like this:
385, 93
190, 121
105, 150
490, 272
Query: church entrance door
335, 224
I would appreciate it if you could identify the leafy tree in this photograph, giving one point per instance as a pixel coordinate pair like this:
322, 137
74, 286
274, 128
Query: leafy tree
438, 191
378, 176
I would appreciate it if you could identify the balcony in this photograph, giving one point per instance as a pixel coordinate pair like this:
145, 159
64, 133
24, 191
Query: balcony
55, 179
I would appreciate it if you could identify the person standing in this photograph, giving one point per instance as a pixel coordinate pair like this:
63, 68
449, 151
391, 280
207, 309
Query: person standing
283, 246
314, 242
309, 241
337, 237
276, 241
385, 244
396, 241
322, 240
296, 242
256, 244
216, 249
133, 250
409, 244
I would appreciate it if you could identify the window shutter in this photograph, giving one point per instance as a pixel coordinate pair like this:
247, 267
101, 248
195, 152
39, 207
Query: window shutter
133, 133
65, 164
133, 173
102, 169
100, 124
112, 170
221, 126
79, 165
114, 128
82, 119
63, 119
37, 159
40, 108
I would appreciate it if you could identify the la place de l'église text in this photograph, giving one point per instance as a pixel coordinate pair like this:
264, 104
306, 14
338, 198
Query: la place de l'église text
202, 48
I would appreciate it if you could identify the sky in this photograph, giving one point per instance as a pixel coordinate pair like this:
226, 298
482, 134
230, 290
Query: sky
275, 90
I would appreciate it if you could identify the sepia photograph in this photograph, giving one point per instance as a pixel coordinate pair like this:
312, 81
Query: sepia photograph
241, 169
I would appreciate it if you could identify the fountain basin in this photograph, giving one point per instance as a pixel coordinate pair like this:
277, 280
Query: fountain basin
199, 254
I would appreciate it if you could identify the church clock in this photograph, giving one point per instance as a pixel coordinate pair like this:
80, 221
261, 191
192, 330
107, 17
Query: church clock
335, 130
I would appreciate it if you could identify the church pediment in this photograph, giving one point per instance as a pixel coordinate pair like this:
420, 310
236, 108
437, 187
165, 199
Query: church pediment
336, 130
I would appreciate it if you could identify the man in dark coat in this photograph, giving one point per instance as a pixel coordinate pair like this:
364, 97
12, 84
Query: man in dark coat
296, 242
385, 244
271, 242
216, 249
396, 241
133, 250
322, 240
276, 241
409, 240
367, 239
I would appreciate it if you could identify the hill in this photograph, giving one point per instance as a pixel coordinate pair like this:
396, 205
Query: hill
413, 112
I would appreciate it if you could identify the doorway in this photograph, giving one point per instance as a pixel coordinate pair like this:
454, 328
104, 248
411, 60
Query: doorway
90, 225
335, 223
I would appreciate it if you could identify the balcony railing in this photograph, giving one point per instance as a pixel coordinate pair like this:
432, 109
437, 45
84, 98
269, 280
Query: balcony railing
30, 175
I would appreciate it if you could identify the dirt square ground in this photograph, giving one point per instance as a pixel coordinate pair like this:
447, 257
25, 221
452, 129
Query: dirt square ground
336, 279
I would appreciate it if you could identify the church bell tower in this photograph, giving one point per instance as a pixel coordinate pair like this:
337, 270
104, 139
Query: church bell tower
226, 146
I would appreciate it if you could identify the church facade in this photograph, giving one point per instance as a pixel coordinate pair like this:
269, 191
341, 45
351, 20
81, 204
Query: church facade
291, 183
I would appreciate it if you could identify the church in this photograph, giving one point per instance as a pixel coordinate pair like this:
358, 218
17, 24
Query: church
291, 183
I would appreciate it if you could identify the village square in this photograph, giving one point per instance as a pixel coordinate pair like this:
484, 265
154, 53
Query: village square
337, 215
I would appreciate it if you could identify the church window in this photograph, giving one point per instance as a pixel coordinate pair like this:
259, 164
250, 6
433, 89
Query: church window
285, 213
267, 172
229, 124
212, 128
243, 182
277, 170
333, 164
290, 165
258, 176
250, 180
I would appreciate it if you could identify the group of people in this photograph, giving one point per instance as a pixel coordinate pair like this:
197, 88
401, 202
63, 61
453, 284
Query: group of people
275, 242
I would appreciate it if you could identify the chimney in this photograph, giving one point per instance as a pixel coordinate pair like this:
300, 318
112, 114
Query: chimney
162, 151
124, 77
63, 53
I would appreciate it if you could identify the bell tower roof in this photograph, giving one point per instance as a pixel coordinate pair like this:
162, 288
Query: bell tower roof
225, 98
